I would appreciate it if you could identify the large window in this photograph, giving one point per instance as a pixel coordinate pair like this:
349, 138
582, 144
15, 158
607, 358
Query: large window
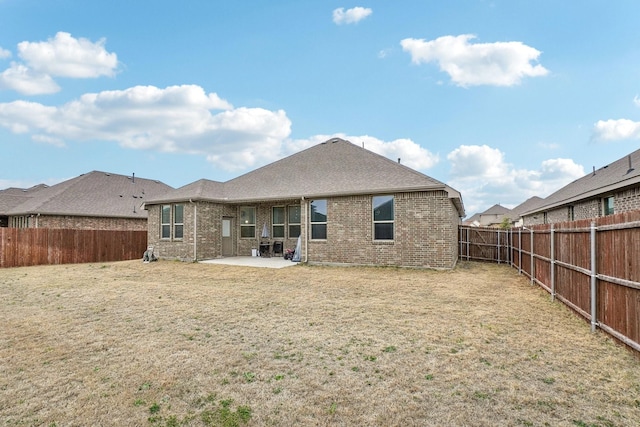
277, 215
607, 205
383, 218
294, 222
248, 222
178, 221
165, 222
318, 218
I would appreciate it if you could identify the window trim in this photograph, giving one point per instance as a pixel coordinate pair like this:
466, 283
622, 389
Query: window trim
386, 221
312, 222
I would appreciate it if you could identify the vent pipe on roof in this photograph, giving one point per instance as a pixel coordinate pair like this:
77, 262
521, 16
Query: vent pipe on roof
133, 177
630, 165
594, 171
398, 159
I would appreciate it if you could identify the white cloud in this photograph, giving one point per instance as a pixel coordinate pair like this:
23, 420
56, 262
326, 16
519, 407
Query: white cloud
4, 54
66, 56
614, 130
497, 64
61, 56
350, 16
184, 119
484, 178
27, 81
174, 119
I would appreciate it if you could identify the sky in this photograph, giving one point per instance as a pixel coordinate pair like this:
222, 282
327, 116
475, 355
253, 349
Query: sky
500, 99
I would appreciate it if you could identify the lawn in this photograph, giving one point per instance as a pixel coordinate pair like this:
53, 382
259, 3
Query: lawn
170, 343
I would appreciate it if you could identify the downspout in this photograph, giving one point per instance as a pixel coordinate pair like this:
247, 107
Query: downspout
195, 230
306, 234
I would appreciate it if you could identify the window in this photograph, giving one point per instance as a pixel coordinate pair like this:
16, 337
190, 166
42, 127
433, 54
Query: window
318, 217
607, 204
294, 222
277, 215
572, 214
178, 221
383, 218
247, 222
165, 222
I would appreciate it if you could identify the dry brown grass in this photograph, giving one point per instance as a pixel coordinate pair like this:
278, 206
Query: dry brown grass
106, 344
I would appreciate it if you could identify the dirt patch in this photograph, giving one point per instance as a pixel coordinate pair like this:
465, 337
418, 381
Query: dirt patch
171, 343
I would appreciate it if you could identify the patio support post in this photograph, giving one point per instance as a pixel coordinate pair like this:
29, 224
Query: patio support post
594, 320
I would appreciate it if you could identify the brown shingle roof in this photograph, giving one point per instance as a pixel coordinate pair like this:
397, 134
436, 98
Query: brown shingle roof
335, 167
93, 194
608, 178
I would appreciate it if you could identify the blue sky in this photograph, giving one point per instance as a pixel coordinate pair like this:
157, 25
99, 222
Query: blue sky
502, 100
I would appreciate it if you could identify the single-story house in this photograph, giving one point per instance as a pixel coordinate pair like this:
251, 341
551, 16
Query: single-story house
95, 200
614, 188
345, 204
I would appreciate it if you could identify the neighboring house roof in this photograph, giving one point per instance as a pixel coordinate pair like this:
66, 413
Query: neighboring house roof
333, 168
496, 209
527, 205
622, 173
473, 219
95, 193
12, 196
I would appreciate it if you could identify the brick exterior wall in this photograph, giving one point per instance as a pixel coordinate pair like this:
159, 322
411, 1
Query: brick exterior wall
82, 222
425, 231
623, 201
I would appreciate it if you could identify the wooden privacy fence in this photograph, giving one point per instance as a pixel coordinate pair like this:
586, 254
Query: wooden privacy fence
37, 246
592, 266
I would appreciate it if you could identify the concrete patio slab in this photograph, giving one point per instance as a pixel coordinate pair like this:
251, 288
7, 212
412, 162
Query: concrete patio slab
252, 261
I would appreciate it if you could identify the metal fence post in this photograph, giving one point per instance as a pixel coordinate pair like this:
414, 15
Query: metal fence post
594, 320
532, 260
553, 265
519, 250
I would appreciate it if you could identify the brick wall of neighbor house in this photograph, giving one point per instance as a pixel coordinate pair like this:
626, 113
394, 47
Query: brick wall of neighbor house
425, 235
623, 201
87, 222
627, 200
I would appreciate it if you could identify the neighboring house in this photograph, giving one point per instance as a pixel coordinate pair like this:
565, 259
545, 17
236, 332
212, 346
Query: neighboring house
527, 205
12, 197
347, 205
473, 221
613, 188
96, 200
495, 215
